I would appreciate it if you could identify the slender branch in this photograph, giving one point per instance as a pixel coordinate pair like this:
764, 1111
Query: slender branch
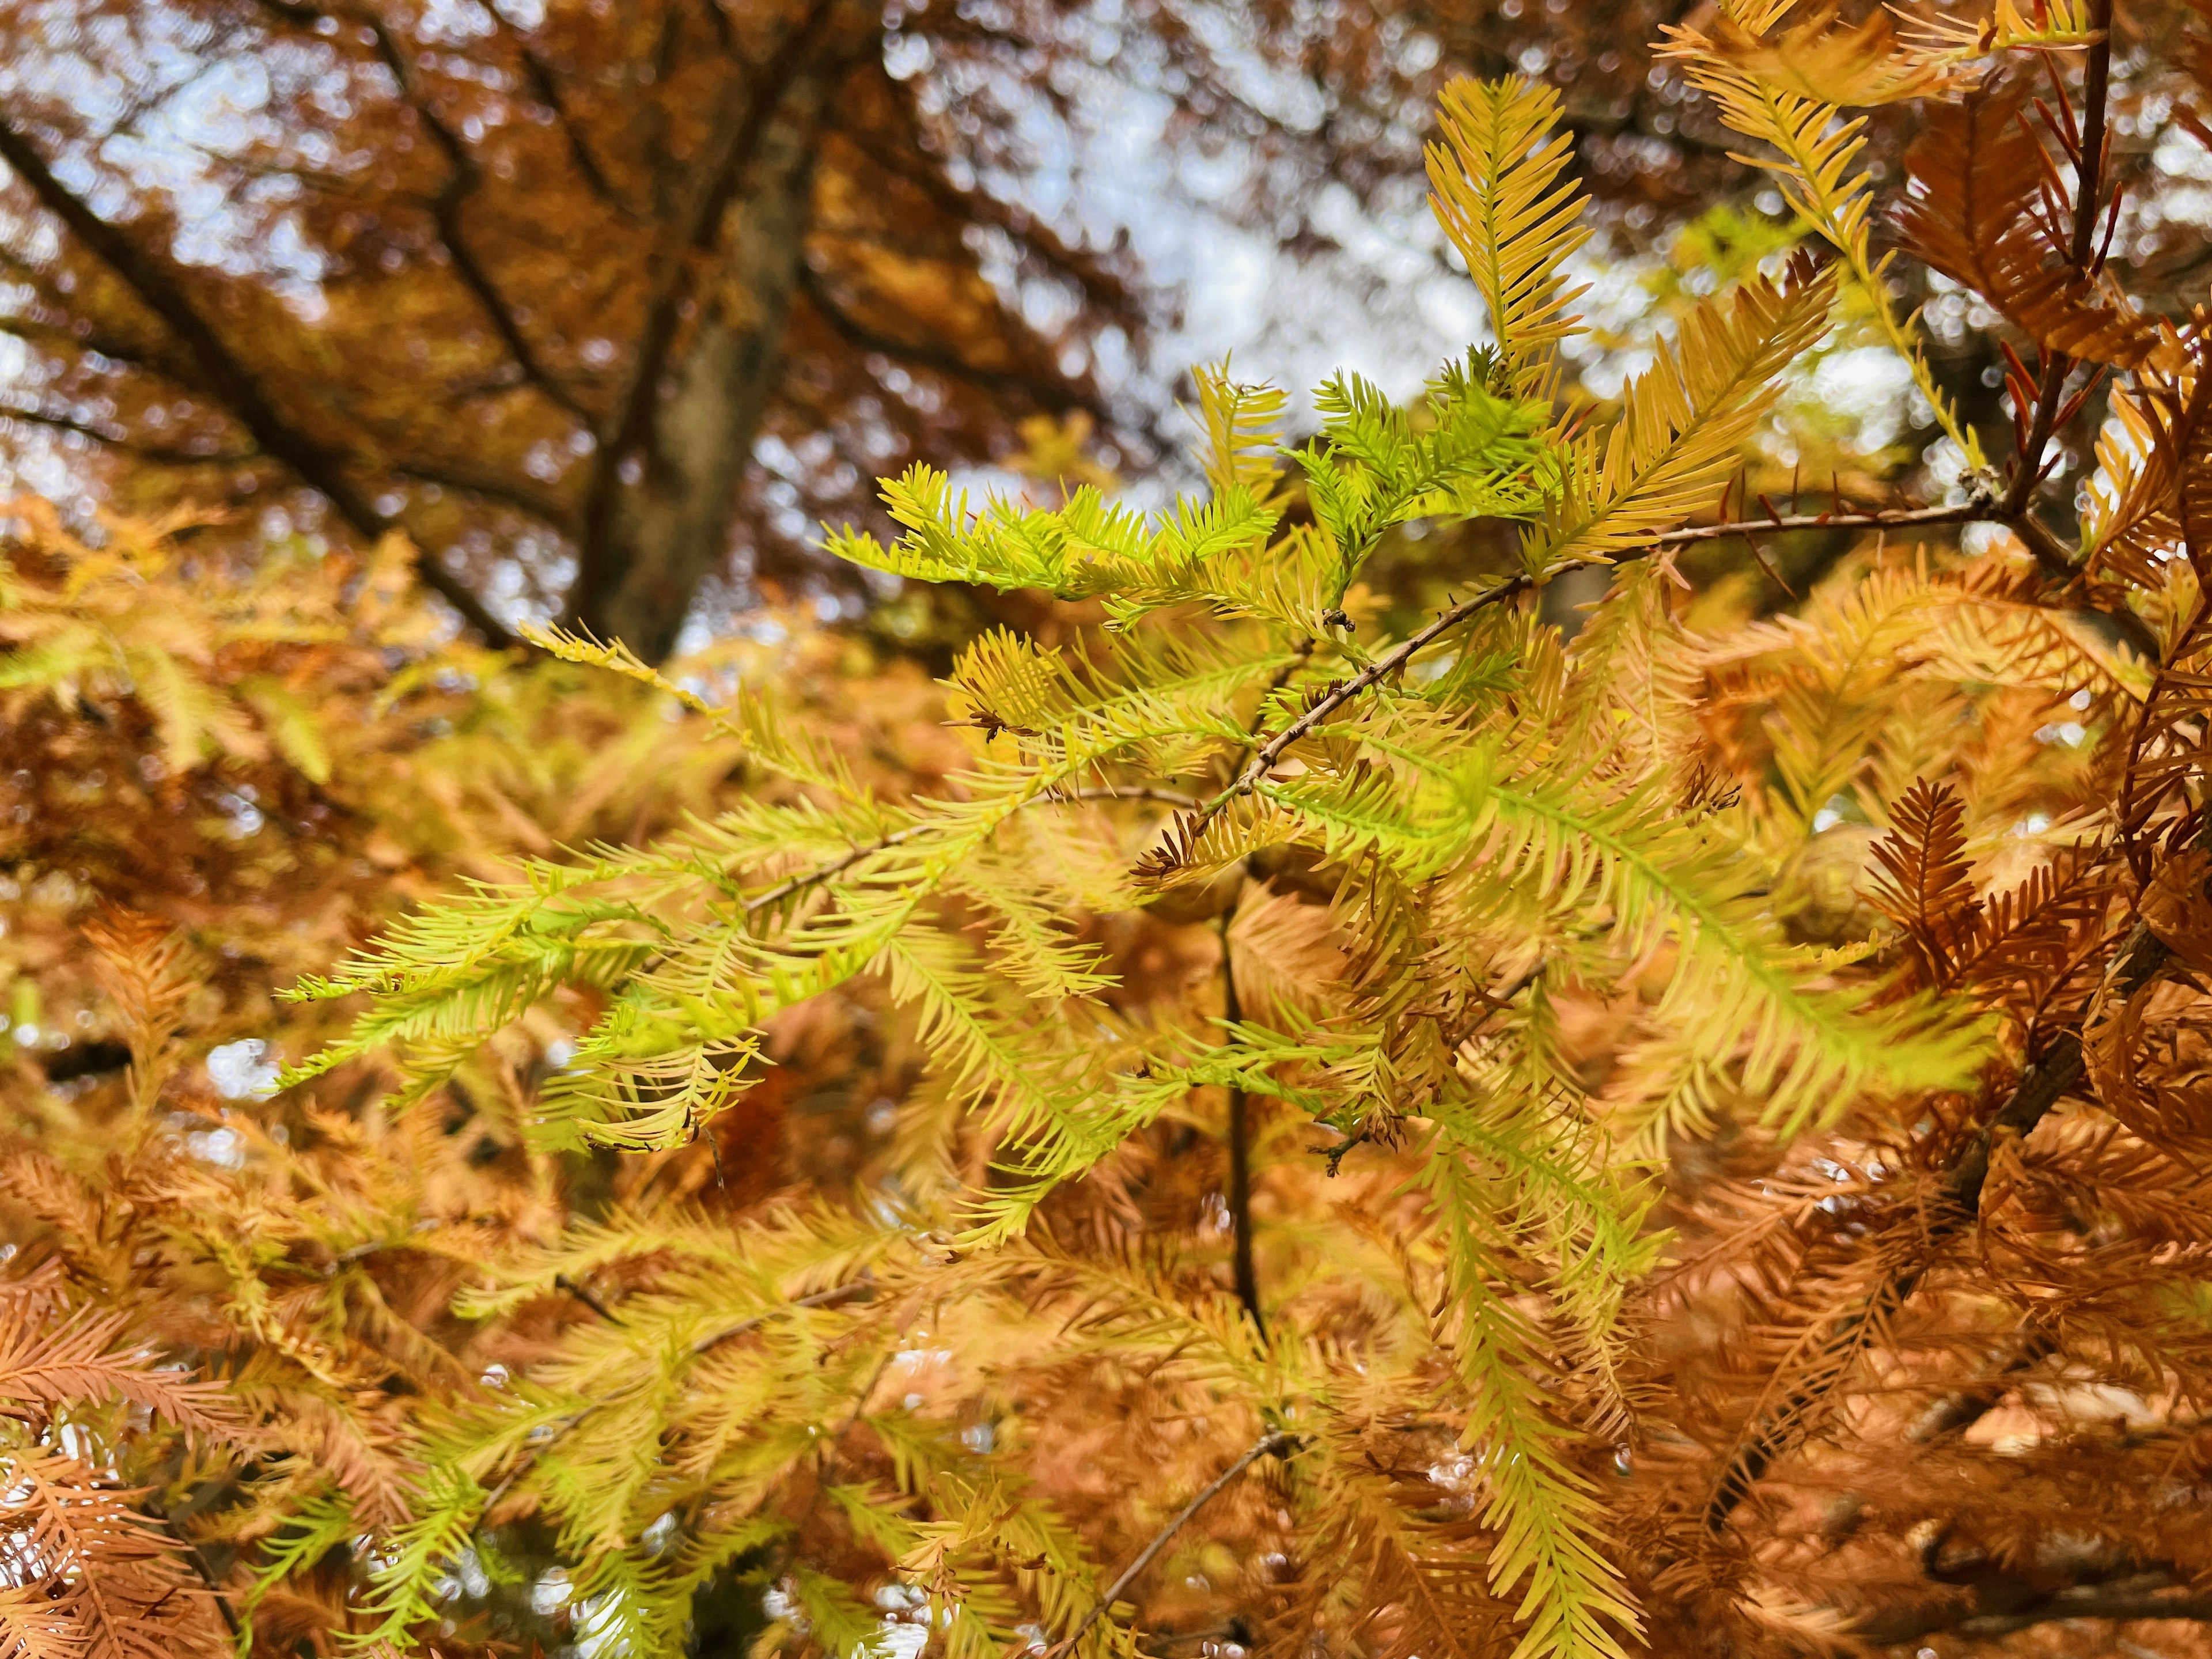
463, 175
2056, 560
1901, 518
59, 338
2089, 189
546, 91
1956, 1206
2000, 1606
829, 1298
1058, 396
1344, 691
583, 1294
157, 454
1390, 662
844, 861
225, 375
191, 1550
448, 475
1240, 1155
1265, 1446
1964, 1407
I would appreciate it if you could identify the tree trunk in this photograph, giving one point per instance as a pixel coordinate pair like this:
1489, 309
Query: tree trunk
666, 493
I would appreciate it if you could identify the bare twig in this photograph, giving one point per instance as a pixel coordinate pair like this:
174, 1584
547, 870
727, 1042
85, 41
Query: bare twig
1240, 1154
1265, 1446
1058, 395
1999, 1607
2089, 173
1895, 519
154, 454
546, 91
1956, 1206
583, 1294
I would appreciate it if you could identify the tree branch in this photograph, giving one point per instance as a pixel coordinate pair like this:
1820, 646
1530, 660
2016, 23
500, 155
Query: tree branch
743, 117
1058, 396
980, 205
448, 475
2000, 1607
225, 375
462, 177
1956, 1206
157, 454
1266, 1444
2089, 189
2056, 560
1343, 691
1240, 1156
844, 861
1899, 519
546, 91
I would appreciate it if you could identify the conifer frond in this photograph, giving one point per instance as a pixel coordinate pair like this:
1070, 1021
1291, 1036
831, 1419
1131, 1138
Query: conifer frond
1244, 1020
1495, 186
1814, 150
88, 1357
2043, 25
2130, 521
1926, 887
32, 1627
402, 1596
1548, 1538
1480, 458
1682, 421
1801, 1049
1226, 838
1981, 211
109, 1577
769, 739
1241, 422
1820, 58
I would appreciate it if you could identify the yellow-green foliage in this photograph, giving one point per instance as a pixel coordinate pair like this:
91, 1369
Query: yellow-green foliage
1490, 820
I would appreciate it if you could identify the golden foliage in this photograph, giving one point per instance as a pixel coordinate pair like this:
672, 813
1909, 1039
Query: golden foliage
1984, 212
1219, 1120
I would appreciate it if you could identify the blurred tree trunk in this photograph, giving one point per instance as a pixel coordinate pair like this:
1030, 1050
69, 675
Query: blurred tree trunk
659, 516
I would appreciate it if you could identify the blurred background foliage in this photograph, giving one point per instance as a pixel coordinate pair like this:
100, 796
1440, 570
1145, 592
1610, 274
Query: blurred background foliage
607, 305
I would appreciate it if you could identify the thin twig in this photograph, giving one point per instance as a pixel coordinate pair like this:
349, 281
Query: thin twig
1957, 1205
190, 1550
1266, 1444
227, 377
1382, 668
1344, 691
835, 1294
464, 174
1240, 1155
844, 861
584, 1295
2096, 79
1893, 519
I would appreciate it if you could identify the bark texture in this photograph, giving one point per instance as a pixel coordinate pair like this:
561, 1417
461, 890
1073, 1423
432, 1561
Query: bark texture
660, 513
